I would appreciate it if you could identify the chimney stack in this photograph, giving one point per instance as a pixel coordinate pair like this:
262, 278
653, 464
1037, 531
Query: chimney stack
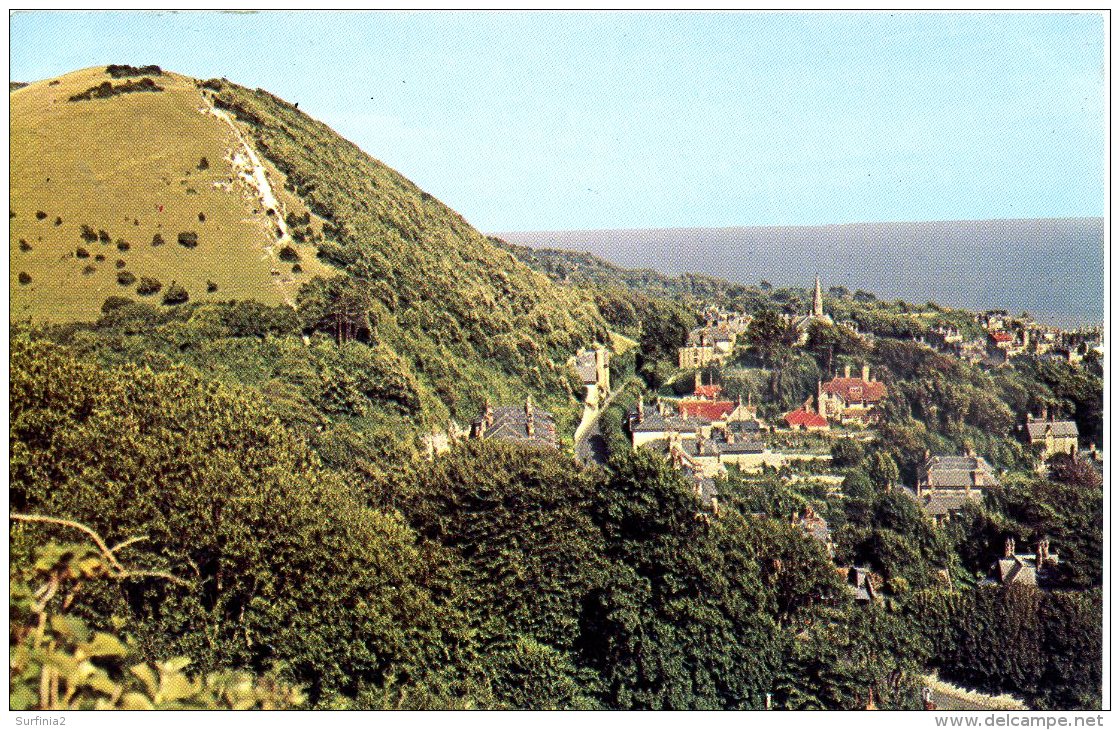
847, 371
866, 373
1009, 547
641, 408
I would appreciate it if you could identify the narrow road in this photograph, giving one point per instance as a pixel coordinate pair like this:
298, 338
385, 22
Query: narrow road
591, 446
947, 696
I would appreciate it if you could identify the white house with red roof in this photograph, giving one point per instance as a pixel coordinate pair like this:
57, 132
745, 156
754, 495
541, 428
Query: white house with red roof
851, 400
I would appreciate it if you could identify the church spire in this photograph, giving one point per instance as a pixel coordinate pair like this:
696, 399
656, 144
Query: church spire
818, 300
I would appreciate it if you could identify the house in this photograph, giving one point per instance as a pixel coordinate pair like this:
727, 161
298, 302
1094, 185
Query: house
593, 368
687, 456
863, 585
709, 345
966, 473
696, 356
851, 400
518, 424
1006, 345
1050, 436
718, 412
946, 483
815, 314
814, 526
711, 391
806, 419
653, 424
1023, 569
993, 319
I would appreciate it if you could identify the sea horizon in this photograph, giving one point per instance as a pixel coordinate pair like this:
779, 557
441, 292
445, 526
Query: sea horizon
1052, 268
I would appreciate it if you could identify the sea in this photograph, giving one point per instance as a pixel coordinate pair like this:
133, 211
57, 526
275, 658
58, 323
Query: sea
1052, 268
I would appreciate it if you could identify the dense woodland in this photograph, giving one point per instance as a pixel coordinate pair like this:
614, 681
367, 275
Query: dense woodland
229, 505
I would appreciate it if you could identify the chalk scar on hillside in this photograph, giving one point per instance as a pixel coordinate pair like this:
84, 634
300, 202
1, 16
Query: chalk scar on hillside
247, 166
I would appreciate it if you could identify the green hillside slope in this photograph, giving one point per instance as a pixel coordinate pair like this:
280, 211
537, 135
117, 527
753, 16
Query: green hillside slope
470, 317
116, 175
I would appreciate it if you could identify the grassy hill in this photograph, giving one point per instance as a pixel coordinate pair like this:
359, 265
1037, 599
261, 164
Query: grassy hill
133, 166
277, 201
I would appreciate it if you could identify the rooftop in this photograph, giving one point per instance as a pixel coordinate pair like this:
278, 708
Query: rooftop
1059, 429
856, 389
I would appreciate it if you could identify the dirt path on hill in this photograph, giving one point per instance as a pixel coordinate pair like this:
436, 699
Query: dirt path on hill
247, 166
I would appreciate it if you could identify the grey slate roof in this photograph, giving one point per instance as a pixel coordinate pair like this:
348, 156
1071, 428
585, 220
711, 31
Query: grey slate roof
1016, 570
1060, 429
511, 424
749, 427
955, 472
859, 584
654, 422
939, 505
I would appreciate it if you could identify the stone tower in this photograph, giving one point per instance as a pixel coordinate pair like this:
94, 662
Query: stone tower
818, 300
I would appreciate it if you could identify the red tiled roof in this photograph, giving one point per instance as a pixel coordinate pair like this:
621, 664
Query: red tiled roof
712, 410
808, 419
1001, 336
707, 391
856, 389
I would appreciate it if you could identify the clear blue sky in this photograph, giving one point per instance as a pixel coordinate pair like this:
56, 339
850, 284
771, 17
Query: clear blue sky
616, 120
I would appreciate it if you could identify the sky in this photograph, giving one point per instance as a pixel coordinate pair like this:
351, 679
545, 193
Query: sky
557, 121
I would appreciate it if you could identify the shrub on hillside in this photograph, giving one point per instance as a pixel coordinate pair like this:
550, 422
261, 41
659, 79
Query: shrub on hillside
120, 263
24, 245
289, 254
24, 278
157, 240
204, 164
40, 215
89, 269
81, 253
99, 257
103, 236
148, 286
123, 245
201, 217
175, 294
58, 220
105, 89
294, 220
88, 234
114, 302
120, 71
211, 287
297, 269
188, 239
125, 278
